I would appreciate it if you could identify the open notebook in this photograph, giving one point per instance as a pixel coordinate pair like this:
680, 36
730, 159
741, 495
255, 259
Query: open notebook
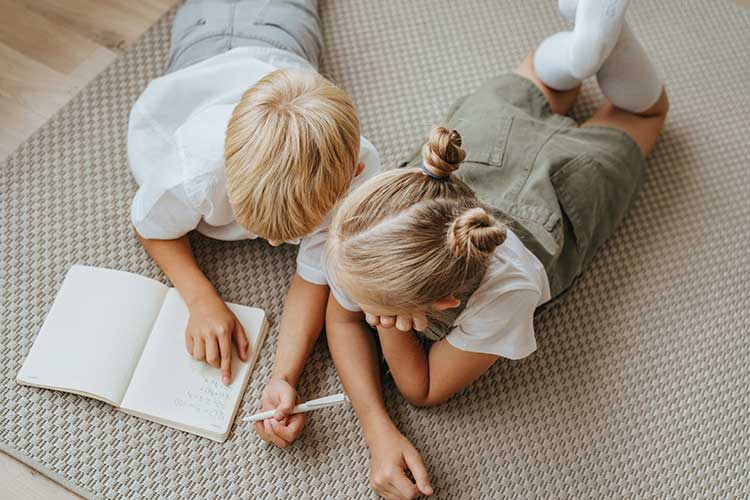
119, 337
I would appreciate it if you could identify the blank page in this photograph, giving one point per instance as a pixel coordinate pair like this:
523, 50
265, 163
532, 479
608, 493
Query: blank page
170, 387
94, 333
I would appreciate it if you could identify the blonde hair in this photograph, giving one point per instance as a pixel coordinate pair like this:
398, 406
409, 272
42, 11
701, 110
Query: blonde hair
407, 239
291, 151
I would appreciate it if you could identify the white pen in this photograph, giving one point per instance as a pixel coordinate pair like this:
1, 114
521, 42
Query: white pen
313, 404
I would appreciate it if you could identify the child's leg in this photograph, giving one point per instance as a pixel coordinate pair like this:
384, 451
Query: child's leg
551, 62
566, 58
206, 28
636, 102
643, 127
291, 25
597, 28
200, 31
628, 78
561, 102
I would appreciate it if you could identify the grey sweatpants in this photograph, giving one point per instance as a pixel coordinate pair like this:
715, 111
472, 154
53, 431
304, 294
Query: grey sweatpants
206, 28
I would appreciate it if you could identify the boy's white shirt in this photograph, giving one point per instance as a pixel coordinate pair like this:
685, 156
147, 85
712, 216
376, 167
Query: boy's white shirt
499, 315
176, 151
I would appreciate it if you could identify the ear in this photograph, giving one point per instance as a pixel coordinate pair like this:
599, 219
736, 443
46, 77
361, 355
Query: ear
359, 170
447, 303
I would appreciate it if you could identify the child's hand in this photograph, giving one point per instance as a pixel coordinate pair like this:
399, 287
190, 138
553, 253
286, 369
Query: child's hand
211, 329
283, 428
392, 456
405, 322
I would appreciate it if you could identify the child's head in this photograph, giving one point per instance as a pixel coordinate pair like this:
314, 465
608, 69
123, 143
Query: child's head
408, 240
291, 151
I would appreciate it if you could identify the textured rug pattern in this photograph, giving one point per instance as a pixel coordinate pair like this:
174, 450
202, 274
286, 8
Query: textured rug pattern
640, 384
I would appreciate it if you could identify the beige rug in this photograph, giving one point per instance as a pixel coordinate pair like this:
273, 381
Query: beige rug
640, 387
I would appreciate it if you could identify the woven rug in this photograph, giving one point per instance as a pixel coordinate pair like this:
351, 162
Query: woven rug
640, 384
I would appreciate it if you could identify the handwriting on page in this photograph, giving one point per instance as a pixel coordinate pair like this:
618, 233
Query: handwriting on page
209, 399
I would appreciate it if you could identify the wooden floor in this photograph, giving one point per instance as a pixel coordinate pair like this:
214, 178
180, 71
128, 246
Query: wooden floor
49, 50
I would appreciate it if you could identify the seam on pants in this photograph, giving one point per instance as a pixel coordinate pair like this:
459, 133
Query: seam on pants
518, 187
232, 16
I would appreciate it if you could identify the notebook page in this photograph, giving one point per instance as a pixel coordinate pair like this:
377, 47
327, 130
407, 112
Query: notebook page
168, 386
94, 333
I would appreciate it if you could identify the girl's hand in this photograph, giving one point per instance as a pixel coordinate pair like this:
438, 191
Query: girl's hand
211, 329
283, 428
392, 456
404, 322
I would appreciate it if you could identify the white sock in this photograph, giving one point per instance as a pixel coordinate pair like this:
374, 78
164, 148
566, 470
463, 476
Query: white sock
552, 62
567, 9
563, 60
626, 75
628, 78
597, 28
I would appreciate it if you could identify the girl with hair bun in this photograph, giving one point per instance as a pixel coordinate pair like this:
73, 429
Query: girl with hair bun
463, 243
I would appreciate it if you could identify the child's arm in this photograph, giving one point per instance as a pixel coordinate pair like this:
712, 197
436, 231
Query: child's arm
429, 379
301, 324
212, 326
354, 353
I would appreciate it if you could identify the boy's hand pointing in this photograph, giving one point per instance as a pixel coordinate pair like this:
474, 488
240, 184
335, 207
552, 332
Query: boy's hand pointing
211, 330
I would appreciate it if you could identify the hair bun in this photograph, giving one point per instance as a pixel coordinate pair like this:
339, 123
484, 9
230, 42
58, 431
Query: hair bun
475, 233
443, 153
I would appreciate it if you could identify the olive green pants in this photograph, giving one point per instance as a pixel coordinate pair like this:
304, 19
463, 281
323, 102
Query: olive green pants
563, 188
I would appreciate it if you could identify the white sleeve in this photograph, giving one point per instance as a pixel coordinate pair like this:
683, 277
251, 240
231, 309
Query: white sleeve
343, 300
338, 294
313, 267
310, 256
163, 214
503, 327
160, 209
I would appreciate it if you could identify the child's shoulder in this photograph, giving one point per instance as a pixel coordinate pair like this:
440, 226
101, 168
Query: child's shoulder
370, 158
513, 267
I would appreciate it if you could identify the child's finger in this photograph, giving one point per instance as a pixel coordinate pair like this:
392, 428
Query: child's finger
269, 437
273, 436
388, 492
199, 349
404, 487
297, 422
387, 321
403, 323
284, 432
189, 343
285, 405
372, 319
290, 431
225, 350
240, 338
419, 471
261, 430
212, 353
420, 322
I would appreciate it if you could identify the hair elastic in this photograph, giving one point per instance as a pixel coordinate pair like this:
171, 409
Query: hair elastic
425, 170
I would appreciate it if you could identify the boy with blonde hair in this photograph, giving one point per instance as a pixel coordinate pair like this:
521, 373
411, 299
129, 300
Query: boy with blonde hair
243, 139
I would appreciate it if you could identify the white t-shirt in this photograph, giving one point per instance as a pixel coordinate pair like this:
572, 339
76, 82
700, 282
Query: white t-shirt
499, 315
176, 151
